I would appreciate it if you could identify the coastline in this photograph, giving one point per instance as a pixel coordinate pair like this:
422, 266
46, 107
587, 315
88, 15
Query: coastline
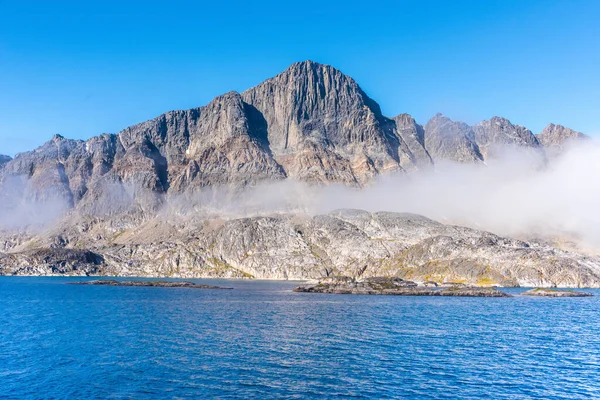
508, 289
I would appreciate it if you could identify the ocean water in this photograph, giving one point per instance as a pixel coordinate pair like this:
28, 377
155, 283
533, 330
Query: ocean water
261, 340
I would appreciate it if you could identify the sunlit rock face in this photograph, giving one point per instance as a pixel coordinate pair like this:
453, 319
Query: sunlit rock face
322, 127
413, 156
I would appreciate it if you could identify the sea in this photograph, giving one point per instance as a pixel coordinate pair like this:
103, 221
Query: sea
260, 340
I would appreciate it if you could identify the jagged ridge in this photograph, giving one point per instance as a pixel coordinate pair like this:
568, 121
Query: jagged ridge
310, 123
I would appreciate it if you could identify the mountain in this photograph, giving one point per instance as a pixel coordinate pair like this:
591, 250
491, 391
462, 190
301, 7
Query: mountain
133, 203
218, 144
322, 127
310, 123
456, 141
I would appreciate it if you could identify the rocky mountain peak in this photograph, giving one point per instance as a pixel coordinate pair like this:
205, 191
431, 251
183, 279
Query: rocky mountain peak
499, 131
405, 118
450, 140
439, 118
317, 87
499, 121
323, 127
503, 125
321, 77
557, 136
308, 68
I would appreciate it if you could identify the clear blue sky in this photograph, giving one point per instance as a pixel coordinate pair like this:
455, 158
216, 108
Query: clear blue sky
81, 68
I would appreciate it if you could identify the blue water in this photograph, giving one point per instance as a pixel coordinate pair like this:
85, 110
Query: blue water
263, 341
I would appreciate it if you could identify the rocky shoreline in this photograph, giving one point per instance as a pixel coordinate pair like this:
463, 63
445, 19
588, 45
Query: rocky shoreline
167, 284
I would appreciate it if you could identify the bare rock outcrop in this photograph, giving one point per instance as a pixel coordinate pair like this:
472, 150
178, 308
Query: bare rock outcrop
162, 284
51, 262
413, 156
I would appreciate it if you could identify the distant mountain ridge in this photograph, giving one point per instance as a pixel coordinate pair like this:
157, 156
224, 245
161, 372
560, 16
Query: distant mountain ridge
310, 123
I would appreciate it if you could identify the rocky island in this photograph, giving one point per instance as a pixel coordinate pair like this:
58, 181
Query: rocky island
395, 287
547, 292
167, 284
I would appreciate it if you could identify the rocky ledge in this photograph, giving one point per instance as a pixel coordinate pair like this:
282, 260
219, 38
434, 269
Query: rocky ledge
393, 286
168, 284
544, 292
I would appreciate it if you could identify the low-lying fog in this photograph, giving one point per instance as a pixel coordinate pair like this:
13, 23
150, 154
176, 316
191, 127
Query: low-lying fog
517, 194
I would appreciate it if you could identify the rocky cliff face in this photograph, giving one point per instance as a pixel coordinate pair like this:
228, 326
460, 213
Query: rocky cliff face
310, 123
321, 127
414, 155
456, 141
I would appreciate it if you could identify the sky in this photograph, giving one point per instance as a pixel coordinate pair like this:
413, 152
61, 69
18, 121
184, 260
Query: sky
82, 68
